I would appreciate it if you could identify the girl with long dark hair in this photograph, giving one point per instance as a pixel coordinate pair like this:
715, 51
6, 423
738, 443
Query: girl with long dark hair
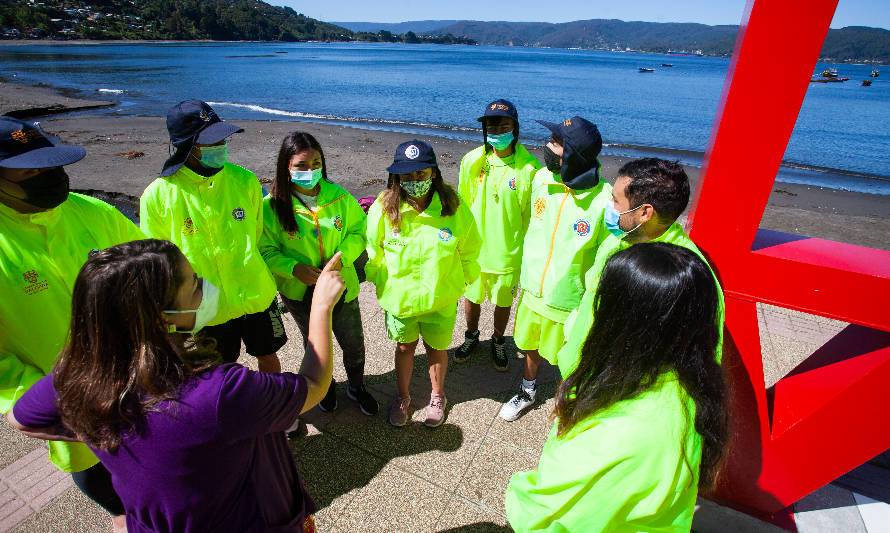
422, 253
641, 424
191, 445
306, 220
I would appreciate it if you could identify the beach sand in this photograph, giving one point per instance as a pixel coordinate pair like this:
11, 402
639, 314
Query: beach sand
126, 153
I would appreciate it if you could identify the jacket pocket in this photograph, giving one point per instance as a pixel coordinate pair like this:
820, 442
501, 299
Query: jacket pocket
567, 289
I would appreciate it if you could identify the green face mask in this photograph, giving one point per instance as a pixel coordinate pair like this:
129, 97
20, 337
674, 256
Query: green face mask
214, 156
500, 141
417, 189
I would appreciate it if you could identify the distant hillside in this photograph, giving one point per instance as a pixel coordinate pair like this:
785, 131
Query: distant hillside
416, 26
846, 44
233, 20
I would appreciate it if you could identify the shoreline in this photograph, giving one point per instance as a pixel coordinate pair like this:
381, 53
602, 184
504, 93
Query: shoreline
790, 172
125, 154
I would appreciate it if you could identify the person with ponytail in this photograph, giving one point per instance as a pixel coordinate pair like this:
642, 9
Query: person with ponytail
641, 423
191, 444
423, 248
307, 218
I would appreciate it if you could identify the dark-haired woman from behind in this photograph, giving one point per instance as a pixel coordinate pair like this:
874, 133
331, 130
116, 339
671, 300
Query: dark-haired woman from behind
191, 445
641, 424
306, 220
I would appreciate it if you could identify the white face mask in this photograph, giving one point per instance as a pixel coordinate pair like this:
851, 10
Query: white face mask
205, 312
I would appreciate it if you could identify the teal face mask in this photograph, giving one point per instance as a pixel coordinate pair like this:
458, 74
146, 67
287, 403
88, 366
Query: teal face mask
214, 156
500, 141
306, 179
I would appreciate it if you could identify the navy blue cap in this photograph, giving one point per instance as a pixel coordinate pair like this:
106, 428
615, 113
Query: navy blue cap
193, 122
25, 145
500, 108
581, 143
412, 156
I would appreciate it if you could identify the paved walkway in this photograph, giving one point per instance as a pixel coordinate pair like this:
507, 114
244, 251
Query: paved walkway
368, 476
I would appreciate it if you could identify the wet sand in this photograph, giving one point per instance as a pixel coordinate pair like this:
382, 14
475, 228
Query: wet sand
126, 153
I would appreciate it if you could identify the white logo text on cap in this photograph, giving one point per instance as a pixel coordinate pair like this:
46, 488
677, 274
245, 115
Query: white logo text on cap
412, 152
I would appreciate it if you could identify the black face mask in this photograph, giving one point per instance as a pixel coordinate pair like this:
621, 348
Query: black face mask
47, 189
551, 160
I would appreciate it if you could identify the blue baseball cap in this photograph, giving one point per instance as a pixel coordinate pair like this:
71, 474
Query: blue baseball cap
412, 156
25, 145
581, 144
193, 122
500, 108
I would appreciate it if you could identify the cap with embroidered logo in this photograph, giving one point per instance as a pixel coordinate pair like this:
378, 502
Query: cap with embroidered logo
500, 108
25, 145
412, 156
581, 143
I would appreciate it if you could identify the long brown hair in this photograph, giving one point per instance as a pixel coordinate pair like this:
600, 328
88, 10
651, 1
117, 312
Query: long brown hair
394, 196
655, 311
120, 362
282, 196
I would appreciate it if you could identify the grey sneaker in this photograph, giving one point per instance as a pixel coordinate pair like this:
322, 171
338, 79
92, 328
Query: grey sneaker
465, 350
435, 411
499, 354
514, 408
399, 411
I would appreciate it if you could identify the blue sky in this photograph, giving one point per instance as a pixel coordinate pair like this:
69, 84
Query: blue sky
849, 12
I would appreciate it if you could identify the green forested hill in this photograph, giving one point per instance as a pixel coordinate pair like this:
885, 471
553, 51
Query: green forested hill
164, 19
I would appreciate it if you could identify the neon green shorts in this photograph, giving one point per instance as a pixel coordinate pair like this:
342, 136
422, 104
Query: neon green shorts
500, 289
533, 331
436, 328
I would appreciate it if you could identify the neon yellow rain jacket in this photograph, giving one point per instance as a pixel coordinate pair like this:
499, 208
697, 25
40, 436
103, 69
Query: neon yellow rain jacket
426, 264
498, 191
632, 467
217, 223
338, 224
565, 229
40, 257
580, 322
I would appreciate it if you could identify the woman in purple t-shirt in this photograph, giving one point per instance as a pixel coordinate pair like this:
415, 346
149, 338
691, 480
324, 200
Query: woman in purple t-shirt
191, 445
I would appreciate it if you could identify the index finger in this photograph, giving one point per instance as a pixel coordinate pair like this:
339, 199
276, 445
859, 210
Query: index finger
335, 263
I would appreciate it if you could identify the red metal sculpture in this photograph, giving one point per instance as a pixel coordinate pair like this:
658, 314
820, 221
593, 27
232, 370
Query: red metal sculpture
830, 414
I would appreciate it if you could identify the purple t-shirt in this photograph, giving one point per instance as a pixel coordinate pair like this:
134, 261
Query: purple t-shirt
215, 459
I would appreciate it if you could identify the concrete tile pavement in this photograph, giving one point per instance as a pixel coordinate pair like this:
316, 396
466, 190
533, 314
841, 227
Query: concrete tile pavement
366, 475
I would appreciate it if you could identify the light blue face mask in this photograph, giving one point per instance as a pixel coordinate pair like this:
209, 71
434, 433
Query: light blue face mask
612, 220
214, 156
306, 179
500, 141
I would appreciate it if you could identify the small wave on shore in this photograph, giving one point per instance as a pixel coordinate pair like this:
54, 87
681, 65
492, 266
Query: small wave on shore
111, 91
343, 119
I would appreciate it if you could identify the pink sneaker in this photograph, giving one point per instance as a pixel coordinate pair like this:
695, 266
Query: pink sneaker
435, 411
399, 411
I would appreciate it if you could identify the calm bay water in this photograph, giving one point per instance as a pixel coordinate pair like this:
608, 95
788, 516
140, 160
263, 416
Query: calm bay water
441, 89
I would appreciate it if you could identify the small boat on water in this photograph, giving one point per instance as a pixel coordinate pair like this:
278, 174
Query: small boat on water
667, 64
875, 73
866, 83
644, 69
829, 75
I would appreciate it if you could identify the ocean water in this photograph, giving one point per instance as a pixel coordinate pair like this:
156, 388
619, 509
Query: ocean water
842, 137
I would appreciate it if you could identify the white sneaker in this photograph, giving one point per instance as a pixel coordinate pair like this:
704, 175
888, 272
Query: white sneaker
514, 408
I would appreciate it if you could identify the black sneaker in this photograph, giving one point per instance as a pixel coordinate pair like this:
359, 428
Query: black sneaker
463, 352
329, 402
363, 398
499, 354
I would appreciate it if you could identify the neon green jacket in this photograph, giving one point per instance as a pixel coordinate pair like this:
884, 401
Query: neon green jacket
565, 229
426, 264
337, 224
217, 223
498, 191
40, 257
580, 322
631, 467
